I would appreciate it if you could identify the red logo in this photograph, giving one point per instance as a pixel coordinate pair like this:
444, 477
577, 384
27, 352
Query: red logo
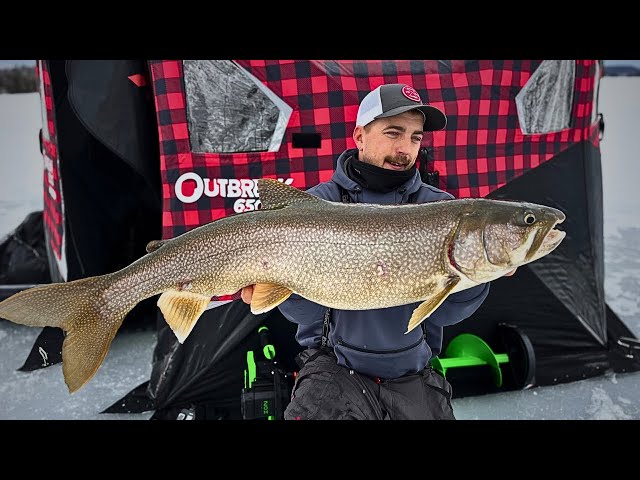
411, 93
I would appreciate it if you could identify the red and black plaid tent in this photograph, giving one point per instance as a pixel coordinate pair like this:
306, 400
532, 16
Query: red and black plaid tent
141, 150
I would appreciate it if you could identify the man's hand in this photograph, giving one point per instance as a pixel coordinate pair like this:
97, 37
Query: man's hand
508, 274
247, 293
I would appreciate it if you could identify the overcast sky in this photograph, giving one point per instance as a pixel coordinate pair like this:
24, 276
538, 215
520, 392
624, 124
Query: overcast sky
13, 63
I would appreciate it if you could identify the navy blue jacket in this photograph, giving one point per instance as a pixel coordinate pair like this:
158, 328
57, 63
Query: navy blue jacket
373, 342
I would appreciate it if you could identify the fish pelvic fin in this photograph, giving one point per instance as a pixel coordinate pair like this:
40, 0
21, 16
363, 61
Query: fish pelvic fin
442, 290
78, 309
181, 310
267, 296
275, 194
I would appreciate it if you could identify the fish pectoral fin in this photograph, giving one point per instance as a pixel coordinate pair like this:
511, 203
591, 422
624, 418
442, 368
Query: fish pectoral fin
182, 310
267, 296
154, 245
426, 308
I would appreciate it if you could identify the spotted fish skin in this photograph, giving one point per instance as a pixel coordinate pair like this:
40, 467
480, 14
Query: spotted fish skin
345, 256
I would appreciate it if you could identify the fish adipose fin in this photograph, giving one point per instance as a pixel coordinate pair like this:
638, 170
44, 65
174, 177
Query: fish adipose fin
427, 307
154, 245
267, 296
274, 194
182, 310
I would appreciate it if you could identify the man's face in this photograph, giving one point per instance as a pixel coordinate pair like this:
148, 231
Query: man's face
393, 142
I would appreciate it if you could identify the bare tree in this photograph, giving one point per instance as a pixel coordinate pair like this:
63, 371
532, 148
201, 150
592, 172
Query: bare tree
18, 80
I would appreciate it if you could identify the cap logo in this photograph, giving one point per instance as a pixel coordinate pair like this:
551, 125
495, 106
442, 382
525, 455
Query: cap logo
411, 93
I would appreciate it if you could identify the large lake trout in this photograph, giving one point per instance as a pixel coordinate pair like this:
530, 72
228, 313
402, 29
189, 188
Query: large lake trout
345, 256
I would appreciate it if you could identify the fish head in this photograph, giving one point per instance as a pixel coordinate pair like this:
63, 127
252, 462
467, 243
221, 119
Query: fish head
495, 236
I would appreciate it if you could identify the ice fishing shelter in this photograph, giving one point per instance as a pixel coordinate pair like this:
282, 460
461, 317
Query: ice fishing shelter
101, 183
517, 129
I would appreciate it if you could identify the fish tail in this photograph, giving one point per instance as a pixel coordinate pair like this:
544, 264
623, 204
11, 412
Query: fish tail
79, 308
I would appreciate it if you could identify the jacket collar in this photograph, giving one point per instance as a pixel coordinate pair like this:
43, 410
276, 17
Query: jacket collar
340, 177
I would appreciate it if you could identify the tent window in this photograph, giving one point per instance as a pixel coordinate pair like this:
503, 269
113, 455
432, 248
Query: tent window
545, 102
231, 111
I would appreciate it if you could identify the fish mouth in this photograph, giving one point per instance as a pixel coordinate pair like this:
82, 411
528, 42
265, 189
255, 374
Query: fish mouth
547, 240
552, 239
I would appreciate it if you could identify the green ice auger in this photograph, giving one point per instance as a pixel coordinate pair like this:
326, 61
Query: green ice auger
467, 350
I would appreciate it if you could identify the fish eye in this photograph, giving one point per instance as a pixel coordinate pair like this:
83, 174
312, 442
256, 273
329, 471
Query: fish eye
529, 218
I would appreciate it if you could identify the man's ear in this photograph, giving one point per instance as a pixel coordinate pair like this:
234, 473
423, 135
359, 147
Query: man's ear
357, 136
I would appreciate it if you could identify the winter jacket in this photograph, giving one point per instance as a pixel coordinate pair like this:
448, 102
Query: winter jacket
373, 342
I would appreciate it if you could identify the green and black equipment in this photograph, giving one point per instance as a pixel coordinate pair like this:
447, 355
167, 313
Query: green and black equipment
468, 350
266, 386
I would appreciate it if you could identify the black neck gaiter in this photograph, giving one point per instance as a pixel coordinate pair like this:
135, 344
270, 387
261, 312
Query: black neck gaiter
376, 178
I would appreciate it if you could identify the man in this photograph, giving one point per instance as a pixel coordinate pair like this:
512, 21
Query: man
369, 368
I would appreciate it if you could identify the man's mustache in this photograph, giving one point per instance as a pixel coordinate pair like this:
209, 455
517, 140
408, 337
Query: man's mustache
401, 159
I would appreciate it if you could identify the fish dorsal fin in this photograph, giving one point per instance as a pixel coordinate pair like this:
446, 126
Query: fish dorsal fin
267, 296
275, 194
153, 245
182, 310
